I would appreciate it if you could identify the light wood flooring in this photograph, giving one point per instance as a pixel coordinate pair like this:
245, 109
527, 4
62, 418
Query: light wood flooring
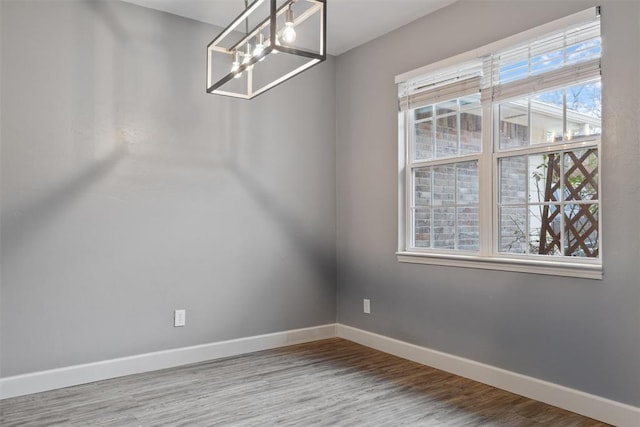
326, 383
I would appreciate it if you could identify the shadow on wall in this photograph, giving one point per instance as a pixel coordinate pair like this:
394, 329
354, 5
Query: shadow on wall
312, 249
28, 220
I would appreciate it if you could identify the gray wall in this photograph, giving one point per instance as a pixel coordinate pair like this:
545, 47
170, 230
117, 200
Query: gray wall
579, 333
127, 192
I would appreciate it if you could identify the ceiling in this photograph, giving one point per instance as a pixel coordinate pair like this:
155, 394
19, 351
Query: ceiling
350, 23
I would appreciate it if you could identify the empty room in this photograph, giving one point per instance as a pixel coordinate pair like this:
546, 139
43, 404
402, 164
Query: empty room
319, 212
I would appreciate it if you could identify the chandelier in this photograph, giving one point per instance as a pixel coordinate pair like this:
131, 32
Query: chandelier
287, 38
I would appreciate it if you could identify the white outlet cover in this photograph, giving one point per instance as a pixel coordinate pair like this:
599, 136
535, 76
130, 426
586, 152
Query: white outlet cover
366, 306
180, 318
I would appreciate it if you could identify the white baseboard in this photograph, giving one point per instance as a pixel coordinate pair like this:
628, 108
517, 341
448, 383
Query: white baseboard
36, 382
596, 407
586, 404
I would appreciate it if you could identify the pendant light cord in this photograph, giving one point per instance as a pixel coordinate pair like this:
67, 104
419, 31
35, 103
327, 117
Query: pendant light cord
246, 21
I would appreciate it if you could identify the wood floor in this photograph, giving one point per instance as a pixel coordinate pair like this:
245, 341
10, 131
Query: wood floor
325, 383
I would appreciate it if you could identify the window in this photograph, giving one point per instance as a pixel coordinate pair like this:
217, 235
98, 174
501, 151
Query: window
500, 154
444, 172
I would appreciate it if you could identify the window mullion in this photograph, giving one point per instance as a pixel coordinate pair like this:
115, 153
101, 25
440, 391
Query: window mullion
486, 191
431, 209
599, 200
563, 237
547, 148
565, 135
527, 214
446, 161
456, 235
405, 204
455, 203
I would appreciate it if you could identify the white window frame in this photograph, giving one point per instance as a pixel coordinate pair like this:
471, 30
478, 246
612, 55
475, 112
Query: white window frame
488, 257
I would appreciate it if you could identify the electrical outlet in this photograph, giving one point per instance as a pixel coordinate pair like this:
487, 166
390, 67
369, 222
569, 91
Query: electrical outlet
179, 318
366, 306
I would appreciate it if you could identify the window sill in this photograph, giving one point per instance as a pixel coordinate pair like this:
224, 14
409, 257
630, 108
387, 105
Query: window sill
568, 269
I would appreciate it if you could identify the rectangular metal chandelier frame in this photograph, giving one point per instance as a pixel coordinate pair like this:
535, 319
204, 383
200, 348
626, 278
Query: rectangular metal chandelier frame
314, 58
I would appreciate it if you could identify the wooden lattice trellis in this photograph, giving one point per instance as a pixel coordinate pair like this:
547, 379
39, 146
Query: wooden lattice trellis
583, 223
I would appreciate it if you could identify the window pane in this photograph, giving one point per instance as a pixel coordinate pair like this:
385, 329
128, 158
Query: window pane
423, 141
471, 131
444, 181
447, 107
424, 112
584, 105
515, 69
444, 231
468, 228
422, 187
580, 105
447, 136
513, 230
453, 222
581, 175
513, 180
547, 117
581, 225
467, 174
543, 221
422, 228
544, 178
447, 129
544, 229
514, 124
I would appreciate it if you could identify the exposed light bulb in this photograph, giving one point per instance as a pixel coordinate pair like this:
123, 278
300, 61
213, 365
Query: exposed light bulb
236, 66
247, 57
258, 51
289, 32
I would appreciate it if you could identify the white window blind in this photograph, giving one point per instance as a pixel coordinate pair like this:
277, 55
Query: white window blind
446, 84
571, 46
545, 62
547, 81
